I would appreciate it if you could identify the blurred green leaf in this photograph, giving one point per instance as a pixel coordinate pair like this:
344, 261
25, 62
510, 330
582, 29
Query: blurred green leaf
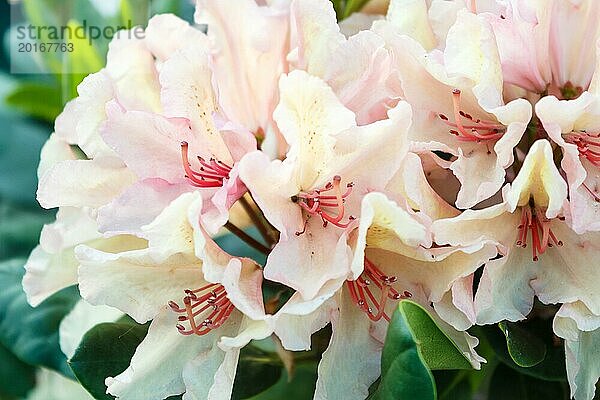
507, 383
552, 368
20, 229
37, 99
453, 385
255, 373
16, 377
300, 387
134, 12
105, 350
83, 60
32, 333
353, 6
525, 348
20, 144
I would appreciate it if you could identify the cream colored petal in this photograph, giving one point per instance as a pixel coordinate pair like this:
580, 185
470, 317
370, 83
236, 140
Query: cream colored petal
139, 283
81, 319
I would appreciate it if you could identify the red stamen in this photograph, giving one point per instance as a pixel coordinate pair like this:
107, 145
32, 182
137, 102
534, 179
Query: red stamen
361, 291
534, 219
477, 130
330, 208
213, 298
211, 174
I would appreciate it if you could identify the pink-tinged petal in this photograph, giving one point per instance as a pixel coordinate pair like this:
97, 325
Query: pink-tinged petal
167, 33
581, 330
561, 119
150, 145
352, 361
298, 319
523, 45
83, 183
242, 280
358, 73
308, 261
570, 272
272, 185
80, 121
249, 40
132, 70
148, 280
187, 92
137, 206
316, 33
216, 211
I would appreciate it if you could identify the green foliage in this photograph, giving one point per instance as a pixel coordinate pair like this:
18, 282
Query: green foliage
507, 383
525, 348
300, 386
27, 98
106, 350
32, 333
16, 377
255, 373
551, 368
414, 345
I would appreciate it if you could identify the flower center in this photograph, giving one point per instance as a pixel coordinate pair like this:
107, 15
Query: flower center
534, 219
588, 145
209, 304
326, 202
211, 174
474, 129
370, 281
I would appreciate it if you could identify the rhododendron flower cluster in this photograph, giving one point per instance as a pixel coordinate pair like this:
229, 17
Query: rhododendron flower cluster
447, 152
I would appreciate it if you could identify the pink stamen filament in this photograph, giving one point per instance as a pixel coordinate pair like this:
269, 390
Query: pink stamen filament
476, 131
211, 174
533, 219
213, 298
361, 291
330, 208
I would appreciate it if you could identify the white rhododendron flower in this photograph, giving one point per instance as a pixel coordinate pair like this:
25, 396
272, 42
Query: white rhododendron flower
447, 152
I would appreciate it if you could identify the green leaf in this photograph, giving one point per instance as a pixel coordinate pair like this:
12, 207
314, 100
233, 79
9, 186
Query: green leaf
438, 350
105, 350
414, 344
20, 230
16, 377
255, 373
37, 99
507, 383
300, 387
525, 349
552, 368
32, 333
453, 385
20, 145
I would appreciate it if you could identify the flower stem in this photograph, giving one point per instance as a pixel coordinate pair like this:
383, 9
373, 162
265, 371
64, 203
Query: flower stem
259, 221
250, 241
